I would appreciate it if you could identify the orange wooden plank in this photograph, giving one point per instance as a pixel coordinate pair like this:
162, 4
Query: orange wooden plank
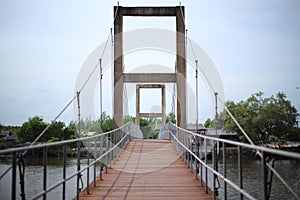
148, 169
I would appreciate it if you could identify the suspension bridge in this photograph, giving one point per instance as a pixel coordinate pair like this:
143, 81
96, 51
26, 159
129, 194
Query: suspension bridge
122, 164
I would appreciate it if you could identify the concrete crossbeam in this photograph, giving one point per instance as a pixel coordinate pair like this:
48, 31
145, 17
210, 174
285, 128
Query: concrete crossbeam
149, 78
151, 115
149, 11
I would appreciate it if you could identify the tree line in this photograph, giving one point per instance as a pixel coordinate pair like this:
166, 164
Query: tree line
58, 130
263, 118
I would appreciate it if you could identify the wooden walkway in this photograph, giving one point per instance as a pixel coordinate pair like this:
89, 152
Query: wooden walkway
148, 169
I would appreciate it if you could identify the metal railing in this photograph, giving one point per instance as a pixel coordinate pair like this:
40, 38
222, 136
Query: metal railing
101, 149
195, 150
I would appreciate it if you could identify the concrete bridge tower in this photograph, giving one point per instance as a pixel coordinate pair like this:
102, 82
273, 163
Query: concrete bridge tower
179, 77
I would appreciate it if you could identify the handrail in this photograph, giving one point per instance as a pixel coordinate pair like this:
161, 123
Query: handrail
37, 146
249, 146
212, 170
181, 140
109, 151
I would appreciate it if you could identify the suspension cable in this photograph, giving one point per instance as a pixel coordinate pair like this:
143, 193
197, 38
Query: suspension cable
78, 112
79, 176
173, 98
197, 111
251, 142
42, 133
100, 87
115, 16
187, 38
112, 70
64, 109
126, 99
68, 104
236, 122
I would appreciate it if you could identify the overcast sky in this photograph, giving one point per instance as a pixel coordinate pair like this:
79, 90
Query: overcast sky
255, 46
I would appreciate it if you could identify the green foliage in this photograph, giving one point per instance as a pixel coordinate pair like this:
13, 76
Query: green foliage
107, 123
56, 130
53, 139
13, 129
72, 125
129, 119
85, 124
104, 125
213, 123
69, 132
31, 129
294, 134
208, 123
263, 118
219, 122
2, 145
171, 118
147, 126
144, 122
152, 133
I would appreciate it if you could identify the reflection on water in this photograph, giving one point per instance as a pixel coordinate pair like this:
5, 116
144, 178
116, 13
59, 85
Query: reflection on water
288, 169
34, 177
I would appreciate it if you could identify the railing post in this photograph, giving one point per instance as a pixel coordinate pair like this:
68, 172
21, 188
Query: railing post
197, 154
182, 154
240, 163
186, 138
122, 145
224, 170
14, 176
112, 135
101, 153
183, 151
206, 175
45, 162
106, 157
78, 170
114, 142
111, 152
64, 171
95, 155
264, 176
177, 144
88, 169
119, 146
191, 157
213, 144
217, 152
78, 147
201, 156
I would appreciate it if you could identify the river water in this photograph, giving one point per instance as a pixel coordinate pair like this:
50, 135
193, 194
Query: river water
34, 177
252, 179
288, 169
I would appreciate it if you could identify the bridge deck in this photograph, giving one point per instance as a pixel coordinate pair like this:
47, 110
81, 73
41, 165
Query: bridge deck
148, 169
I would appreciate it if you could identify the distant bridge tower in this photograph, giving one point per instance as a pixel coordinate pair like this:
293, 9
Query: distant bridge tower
179, 77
